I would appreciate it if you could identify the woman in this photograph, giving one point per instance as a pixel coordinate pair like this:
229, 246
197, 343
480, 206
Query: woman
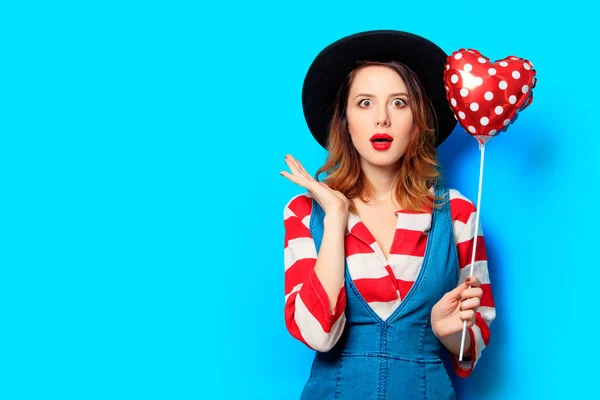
377, 255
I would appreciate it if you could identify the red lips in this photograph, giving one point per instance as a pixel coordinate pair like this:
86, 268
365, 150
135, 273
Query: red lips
381, 141
381, 136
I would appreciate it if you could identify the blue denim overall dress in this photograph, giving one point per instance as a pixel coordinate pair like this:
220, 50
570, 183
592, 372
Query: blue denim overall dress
399, 358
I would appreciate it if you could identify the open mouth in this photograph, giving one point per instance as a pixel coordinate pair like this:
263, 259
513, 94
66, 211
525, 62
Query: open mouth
381, 143
381, 138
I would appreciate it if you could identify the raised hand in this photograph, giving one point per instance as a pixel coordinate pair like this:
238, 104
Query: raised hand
331, 201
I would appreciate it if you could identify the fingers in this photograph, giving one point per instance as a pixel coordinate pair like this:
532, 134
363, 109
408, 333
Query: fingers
297, 179
297, 175
456, 292
469, 316
472, 281
327, 198
471, 293
470, 287
297, 166
301, 168
470, 304
295, 163
300, 177
292, 164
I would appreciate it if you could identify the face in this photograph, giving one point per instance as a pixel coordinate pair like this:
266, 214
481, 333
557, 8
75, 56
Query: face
378, 104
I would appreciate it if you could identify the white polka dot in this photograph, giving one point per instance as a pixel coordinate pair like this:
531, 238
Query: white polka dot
461, 115
472, 129
492, 71
447, 89
474, 106
454, 78
493, 132
453, 101
514, 58
516, 74
525, 88
468, 67
455, 117
512, 99
484, 121
482, 60
447, 66
498, 110
502, 85
464, 92
506, 122
526, 66
478, 81
503, 63
457, 56
488, 96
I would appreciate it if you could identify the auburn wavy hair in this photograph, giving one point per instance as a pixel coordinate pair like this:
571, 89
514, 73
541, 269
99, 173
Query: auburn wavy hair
419, 165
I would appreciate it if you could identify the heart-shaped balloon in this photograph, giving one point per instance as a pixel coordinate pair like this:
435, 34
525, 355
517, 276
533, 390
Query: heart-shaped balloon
486, 97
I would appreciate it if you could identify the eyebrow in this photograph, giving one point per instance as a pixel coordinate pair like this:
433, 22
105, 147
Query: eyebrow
372, 95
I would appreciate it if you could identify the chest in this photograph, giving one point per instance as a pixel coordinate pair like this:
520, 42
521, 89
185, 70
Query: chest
381, 221
386, 250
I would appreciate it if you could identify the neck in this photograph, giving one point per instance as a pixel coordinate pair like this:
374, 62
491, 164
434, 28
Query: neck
381, 180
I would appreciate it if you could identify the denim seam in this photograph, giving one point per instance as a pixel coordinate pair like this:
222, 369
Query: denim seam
383, 367
337, 379
391, 356
382, 362
421, 352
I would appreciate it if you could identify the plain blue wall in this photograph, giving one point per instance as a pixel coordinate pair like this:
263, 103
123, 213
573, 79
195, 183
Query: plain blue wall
141, 219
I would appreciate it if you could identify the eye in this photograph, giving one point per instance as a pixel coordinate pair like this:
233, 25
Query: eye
361, 103
399, 102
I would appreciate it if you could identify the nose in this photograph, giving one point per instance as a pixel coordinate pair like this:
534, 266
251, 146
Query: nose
383, 117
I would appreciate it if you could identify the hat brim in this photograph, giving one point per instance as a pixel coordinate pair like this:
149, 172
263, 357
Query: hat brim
332, 65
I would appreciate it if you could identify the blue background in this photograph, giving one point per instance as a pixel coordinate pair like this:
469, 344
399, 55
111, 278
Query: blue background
142, 206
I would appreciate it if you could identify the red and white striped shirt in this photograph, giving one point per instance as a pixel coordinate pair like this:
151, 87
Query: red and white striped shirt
307, 304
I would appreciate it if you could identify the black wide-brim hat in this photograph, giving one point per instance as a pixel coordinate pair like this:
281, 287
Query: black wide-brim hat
332, 65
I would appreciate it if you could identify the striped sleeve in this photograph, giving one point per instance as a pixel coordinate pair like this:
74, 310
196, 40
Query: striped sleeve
464, 214
307, 315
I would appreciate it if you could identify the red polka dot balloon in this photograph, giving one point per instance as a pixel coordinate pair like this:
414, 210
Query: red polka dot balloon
486, 97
